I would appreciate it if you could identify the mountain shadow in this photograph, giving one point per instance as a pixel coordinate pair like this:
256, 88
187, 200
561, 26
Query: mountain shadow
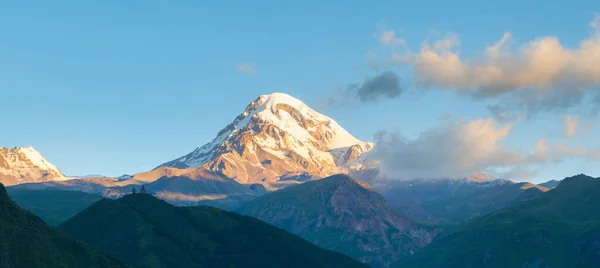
52, 206
26, 241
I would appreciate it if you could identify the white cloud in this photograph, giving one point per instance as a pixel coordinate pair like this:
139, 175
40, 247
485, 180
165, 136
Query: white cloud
542, 64
460, 149
556, 153
246, 68
454, 150
541, 74
571, 123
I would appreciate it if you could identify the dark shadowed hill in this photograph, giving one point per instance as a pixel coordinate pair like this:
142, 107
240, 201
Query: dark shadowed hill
560, 228
144, 231
343, 214
53, 206
26, 241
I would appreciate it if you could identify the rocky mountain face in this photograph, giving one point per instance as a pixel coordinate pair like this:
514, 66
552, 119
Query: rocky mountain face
345, 215
25, 165
558, 228
276, 141
453, 201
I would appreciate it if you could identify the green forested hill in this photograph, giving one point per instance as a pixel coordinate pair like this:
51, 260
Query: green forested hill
26, 241
561, 228
53, 206
143, 231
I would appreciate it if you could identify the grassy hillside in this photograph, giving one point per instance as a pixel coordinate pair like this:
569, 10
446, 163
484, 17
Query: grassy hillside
53, 206
143, 231
561, 228
26, 241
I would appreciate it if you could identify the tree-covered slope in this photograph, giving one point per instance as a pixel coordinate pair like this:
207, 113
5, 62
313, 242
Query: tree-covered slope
53, 206
143, 231
26, 241
561, 228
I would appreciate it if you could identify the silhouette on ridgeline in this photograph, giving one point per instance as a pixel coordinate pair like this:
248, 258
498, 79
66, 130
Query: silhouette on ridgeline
142, 190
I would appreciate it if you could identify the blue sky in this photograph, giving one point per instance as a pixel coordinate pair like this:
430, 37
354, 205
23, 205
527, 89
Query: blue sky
115, 87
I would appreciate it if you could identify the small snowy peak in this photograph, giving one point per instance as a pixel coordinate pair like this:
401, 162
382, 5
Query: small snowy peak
480, 177
124, 177
25, 164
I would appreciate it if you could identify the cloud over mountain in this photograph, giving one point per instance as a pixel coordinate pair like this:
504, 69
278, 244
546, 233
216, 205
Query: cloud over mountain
459, 149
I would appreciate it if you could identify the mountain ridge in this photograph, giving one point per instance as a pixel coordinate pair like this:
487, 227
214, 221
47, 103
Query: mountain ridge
343, 214
559, 228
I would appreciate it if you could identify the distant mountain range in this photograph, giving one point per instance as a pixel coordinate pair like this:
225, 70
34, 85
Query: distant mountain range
454, 201
560, 228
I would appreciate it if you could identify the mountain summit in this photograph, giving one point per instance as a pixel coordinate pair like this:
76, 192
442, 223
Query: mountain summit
276, 140
25, 164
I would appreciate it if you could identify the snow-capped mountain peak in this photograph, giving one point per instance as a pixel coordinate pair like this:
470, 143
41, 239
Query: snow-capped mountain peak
25, 164
295, 117
277, 136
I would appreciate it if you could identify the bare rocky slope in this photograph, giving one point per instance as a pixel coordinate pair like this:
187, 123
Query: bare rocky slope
345, 215
25, 165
